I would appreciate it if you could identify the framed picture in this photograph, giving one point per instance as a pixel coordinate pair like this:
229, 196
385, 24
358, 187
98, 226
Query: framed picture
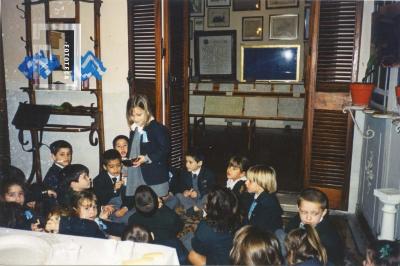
252, 28
256, 59
281, 3
246, 5
196, 8
307, 12
198, 24
283, 27
211, 3
215, 55
218, 17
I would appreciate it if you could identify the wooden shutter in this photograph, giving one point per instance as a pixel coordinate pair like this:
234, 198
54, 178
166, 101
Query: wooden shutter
331, 66
144, 38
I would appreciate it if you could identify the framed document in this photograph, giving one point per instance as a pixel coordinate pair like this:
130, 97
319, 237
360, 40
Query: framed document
283, 27
252, 28
215, 54
218, 17
281, 3
196, 8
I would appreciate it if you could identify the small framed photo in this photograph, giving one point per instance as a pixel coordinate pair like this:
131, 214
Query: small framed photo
196, 8
283, 27
218, 17
198, 24
212, 3
246, 5
252, 28
307, 12
281, 3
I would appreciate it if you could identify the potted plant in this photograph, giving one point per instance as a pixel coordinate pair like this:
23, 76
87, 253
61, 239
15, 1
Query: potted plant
361, 92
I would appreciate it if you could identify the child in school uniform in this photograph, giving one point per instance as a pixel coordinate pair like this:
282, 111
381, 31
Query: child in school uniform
236, 181
74, 178
61, 153
304, 247
265, 211
148, 149
109, 186
196, 182
120, 143
313, 210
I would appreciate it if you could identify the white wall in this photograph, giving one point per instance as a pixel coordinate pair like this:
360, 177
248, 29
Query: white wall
114, 51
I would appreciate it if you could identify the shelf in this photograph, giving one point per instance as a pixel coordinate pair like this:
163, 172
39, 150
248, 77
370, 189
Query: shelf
64, 128
248, 93
27, 89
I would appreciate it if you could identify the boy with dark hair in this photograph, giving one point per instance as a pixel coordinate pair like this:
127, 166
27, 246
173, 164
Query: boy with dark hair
61, 153
313, 207
109, 185
196, 182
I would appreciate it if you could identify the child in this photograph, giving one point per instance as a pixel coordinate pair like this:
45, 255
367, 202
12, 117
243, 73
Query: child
213, 237
120, 143
61, 153
383, 253
236, 181
13, 190
252, 246
73, 178
265, 212
196, 183
149, 147
160, 220
313, 208
304, 247
137, 233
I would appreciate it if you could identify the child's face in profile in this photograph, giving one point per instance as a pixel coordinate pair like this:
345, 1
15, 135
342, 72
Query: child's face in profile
87, 210
192, 165
234, 172
82, 184
139, 116
63, 157
121, 146
253, 187
16, 194
311, 212
113, 167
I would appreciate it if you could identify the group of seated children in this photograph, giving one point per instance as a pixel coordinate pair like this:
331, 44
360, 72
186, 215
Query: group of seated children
240, 224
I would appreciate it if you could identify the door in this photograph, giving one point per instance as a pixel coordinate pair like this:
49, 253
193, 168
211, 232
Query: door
158, 63
331, 66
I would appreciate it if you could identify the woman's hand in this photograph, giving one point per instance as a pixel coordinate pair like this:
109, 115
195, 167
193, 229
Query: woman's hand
139, 161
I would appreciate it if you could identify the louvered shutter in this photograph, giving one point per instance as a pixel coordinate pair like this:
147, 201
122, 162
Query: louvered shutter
333, 65
144, 37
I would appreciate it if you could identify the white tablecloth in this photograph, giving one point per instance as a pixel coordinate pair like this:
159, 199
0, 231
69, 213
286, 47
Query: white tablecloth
26, 247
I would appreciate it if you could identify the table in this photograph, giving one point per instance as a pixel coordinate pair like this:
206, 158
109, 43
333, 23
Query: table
27, 247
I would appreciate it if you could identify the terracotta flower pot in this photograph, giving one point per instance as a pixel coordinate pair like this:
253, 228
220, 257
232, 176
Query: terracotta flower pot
361, 93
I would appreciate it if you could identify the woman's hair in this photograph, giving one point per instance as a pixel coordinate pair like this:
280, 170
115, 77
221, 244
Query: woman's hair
384, 253
11, 214
264, 176
222, 209
253, 246
7, 183
146, 200
141, 101
136, 233
71, 173
84, 198
239, 161
303, 244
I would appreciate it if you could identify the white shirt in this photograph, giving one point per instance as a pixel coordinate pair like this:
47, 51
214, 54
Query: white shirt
230, 183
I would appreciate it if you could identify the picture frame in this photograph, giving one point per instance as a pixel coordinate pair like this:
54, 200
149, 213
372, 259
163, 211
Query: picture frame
283, 27
252, 28
246, 5
215, 55
198, 24
215, 3
281, 3
218, 17
307, 12
255, 60
196, 8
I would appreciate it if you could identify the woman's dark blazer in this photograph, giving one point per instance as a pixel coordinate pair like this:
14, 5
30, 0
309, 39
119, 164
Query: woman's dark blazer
157, 148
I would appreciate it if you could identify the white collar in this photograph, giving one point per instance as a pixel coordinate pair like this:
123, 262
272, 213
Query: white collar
230, 183
59, 165
111, 177
140, 129
196, 172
